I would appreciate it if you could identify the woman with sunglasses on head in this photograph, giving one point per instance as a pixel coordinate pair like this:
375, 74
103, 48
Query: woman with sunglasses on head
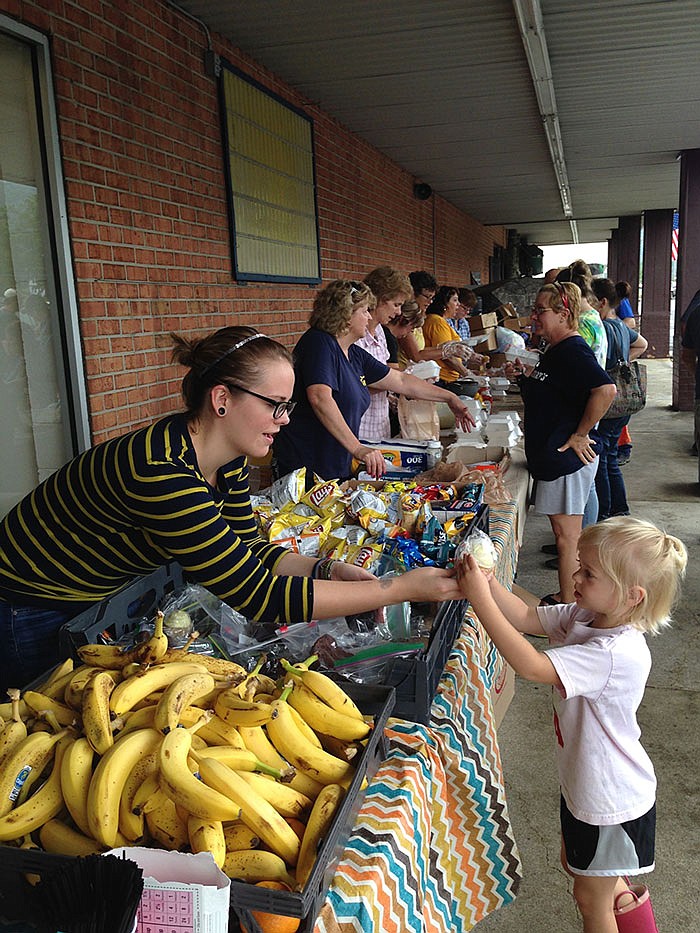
333, 379
177, 489
564, 395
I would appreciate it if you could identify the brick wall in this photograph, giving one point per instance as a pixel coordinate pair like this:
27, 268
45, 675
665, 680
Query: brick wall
142, 160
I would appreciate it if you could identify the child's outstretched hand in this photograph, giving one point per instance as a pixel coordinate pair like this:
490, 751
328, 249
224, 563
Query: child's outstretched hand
473, 581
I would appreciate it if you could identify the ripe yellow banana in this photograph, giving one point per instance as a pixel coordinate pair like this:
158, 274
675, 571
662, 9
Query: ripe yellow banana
28, 844
7, 711
25, 762
239, 836
153, 650
182, 786
60, 839
55, 683
317, 827
150, 795
286, 800
108, 782
167, 827
255, 811
255, 865
43, 805
238, 712
303, 727
73, 692
256, 741
216, 666
110, 657
324, 688
323, 718
180, 694
40, 703
131, 825
137, 687
95, 711
141, 718
299, 751
207, 836
240, 759
341, 748
215, 731
16, 729
76, 774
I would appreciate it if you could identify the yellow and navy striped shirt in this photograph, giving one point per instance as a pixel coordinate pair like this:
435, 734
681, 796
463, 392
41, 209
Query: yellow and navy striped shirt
127, 506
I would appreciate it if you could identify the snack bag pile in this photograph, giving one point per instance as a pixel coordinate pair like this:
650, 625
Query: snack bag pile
390, 526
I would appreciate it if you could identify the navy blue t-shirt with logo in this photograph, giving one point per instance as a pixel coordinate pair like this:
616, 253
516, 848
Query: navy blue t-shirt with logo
319, 360
555, 395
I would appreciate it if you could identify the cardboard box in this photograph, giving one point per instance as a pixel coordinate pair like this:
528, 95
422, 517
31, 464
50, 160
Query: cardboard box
505, 312
519, 324
478, 323
468, 455
489, 342
409, 456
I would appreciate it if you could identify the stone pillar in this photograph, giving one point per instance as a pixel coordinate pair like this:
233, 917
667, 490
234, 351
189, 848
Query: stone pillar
688, 271
627, 265
655, 317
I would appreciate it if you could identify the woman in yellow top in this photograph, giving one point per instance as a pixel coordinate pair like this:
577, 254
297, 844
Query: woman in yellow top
438, 333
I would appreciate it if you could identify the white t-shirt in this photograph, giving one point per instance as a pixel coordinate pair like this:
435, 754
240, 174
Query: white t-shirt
606, 776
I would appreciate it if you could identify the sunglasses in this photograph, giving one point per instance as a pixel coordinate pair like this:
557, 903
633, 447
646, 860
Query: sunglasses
279, 409
564, 297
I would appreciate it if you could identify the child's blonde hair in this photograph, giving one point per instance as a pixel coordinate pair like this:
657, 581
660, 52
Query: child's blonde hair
633, 552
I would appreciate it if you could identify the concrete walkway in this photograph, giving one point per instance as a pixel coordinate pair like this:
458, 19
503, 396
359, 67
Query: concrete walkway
662, 486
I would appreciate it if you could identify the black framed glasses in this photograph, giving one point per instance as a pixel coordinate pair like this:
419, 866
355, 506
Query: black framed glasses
279, 409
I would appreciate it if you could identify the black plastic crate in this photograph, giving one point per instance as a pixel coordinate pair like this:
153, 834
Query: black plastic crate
377, 701
122, 612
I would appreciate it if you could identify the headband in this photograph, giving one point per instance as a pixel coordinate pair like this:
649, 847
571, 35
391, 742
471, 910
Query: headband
236, 346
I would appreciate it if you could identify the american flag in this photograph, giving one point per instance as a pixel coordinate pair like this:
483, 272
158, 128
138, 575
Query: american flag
674, 237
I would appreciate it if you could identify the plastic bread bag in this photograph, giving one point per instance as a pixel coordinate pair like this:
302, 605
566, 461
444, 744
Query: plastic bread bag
481, 547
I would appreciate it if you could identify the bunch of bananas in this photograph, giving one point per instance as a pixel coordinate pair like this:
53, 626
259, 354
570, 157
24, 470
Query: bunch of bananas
178, 750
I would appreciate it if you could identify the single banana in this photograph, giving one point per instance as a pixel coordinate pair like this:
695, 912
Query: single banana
303, 727
43, 805
255, 811
137, 687
180, 694
239, 836
207, 836
153, 650
107, 784
76, 774
242, 760
324, 688
110, 657
29, 844
95, 711
182, 786
150, 795
299, 751
7, 712
215, 731
323, 718
16, 729
253, 865
167, 827
341, 748
60, 839
217, 666
131, 825
26, 760
55, 683
141, 718
73, 692
39, 702
238, 712
317, 827
286, 800
256, 741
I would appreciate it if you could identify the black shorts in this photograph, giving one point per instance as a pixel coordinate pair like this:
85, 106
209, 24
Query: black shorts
621, 849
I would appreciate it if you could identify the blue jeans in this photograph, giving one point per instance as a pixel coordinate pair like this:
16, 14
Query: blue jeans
612, 495
28, 643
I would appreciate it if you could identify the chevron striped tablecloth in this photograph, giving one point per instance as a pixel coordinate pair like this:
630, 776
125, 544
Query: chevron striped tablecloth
432, 849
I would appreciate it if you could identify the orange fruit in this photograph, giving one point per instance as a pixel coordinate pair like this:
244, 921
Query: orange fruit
275, 923
297, 825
